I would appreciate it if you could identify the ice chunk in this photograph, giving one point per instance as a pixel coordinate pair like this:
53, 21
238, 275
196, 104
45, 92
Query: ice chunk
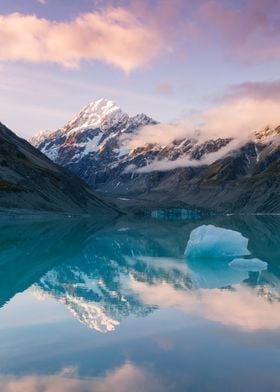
215, 242
248, 265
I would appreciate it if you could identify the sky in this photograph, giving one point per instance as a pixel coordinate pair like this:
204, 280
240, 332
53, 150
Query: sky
170, 59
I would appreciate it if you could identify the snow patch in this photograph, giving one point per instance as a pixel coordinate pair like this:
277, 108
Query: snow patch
51, 153
92, 145
103, 114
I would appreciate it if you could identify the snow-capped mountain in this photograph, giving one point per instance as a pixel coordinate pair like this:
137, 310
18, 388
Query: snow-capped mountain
96, 146
97, 130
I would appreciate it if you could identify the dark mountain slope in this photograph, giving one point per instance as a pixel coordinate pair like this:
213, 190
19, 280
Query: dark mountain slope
246, 181
30, 181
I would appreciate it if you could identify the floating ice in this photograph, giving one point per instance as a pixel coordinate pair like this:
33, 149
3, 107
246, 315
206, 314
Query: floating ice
248, 265
215, 242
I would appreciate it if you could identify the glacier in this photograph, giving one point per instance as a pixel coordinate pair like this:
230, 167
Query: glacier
209, 241
253, 265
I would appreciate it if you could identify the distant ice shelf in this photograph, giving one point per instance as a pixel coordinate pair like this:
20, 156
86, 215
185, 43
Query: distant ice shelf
178, 214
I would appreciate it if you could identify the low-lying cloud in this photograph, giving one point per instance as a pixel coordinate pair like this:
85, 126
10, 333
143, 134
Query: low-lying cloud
234, 119
245, 109
165, 164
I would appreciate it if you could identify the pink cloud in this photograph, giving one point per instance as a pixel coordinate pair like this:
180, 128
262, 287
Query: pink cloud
250, 31
113, 35
128, 377
240, 308
134, 33
247, 31
269, 90
164, 88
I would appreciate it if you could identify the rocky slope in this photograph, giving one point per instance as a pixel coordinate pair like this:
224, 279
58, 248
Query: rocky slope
30, 181
247, 180
95, 146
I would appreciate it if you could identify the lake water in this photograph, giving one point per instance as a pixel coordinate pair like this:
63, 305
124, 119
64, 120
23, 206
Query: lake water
87, 306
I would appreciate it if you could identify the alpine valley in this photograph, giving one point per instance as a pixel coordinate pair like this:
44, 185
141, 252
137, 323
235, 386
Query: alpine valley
221, 175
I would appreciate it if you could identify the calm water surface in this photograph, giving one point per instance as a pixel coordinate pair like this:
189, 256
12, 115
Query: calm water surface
91, 307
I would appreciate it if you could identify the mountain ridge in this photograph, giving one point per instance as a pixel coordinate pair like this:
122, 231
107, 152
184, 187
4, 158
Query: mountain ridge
207, 172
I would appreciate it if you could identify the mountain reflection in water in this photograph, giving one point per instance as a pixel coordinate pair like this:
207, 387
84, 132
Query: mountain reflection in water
105, 274
120, 281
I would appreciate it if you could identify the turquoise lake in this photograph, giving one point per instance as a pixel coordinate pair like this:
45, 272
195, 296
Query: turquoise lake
91, 306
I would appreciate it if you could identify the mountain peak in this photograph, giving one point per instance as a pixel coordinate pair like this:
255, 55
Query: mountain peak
94, 115
98, 128
101, 107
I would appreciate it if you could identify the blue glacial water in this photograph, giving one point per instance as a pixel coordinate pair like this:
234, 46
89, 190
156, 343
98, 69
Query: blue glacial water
134, 306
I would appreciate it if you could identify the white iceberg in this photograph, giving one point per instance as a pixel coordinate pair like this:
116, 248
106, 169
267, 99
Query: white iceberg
252, 265
208, 241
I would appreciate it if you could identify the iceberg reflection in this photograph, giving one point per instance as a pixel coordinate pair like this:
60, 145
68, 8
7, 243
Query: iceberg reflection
104, 275
124, 309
